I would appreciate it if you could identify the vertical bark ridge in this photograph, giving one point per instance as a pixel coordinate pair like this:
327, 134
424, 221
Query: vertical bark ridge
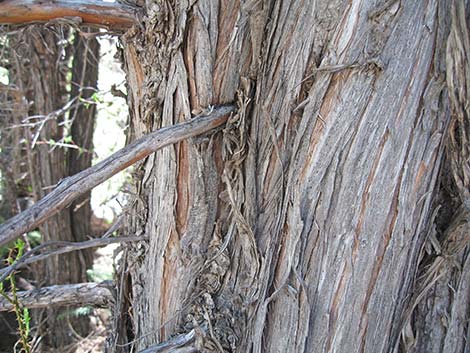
189, 214
438, 312
39, 66
297, 228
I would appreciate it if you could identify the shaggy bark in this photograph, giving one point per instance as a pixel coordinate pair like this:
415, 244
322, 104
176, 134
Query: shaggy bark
80, 184
86, 56
300, 226
13, 188
442, 299
39, 65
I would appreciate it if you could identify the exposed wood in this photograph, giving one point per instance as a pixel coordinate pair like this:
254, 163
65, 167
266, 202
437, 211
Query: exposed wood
93, 12
81, 294
73, 187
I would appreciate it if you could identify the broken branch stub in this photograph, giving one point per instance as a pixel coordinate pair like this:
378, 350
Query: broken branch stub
79, 294
74, 186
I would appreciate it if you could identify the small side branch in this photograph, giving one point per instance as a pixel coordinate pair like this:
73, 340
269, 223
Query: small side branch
75, 186
179, 343
91, 12
44, 251
81, 294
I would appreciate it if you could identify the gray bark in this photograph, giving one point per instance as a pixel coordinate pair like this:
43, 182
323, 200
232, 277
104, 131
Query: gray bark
442, 298
38, 68
86, 56
98, 294
300, 226
71, 188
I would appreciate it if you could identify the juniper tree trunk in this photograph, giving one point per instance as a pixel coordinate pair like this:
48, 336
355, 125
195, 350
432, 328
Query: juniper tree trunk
39, 69
13, 188
86, 56
299, 227
442, 298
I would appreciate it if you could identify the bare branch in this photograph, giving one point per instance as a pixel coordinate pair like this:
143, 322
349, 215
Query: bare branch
95, 12
64, 247
180, 343
74, 186
97, 294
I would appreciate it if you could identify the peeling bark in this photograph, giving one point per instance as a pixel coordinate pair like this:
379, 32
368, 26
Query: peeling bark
86, 56
73, 187
38, 68
300, 226
439, 317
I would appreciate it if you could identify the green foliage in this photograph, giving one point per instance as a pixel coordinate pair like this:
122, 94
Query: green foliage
22, 314
100, 274
4, 76
82, 311
77, 312
34, 238
96, 98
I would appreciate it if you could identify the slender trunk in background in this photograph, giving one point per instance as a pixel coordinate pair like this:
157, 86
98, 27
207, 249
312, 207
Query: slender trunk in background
14, 193
39, 69
14, 184
86, 56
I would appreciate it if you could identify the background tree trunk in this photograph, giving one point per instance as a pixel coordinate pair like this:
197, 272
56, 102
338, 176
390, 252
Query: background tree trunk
39, 67
13, 188
84, 85
300, 226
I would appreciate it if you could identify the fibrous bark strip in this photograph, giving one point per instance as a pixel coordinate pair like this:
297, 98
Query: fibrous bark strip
300, 226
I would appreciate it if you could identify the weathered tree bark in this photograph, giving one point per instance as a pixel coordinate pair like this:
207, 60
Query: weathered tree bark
442, 297
300, 226
98, 294
12, 166
39, 69
86, 57
13, 188
81, 183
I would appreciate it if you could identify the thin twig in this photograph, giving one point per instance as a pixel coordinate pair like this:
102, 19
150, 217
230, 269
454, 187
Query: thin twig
64, 247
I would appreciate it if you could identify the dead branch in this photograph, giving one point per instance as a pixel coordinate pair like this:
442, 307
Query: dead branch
63, 247
180, 343
94, 12
81, 294
74, 186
